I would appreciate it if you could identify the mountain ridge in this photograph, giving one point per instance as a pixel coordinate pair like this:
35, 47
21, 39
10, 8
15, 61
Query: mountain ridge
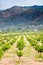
18, 16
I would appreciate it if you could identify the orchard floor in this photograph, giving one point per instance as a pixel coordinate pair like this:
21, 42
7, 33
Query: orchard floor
23, 61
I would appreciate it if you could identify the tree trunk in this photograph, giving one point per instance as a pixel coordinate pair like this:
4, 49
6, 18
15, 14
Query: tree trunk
19, 58
40, 54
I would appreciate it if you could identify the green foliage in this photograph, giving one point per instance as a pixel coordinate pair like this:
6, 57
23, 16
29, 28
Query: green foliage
39, 48
1, 53
20, 44
1, 43
19, 54
36, 40
33, 38
6, 41
42, 41
13, 41
6, 47
32, 41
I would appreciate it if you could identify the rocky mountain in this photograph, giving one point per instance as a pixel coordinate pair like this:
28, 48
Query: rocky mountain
19, 18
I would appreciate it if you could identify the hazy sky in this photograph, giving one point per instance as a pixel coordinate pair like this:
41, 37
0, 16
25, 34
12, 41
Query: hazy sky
4, 4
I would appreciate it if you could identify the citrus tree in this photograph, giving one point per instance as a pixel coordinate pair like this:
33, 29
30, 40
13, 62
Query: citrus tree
20, 46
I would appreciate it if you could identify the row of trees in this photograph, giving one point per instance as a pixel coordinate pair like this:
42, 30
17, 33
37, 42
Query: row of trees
6, 46
36, 44
20, 46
